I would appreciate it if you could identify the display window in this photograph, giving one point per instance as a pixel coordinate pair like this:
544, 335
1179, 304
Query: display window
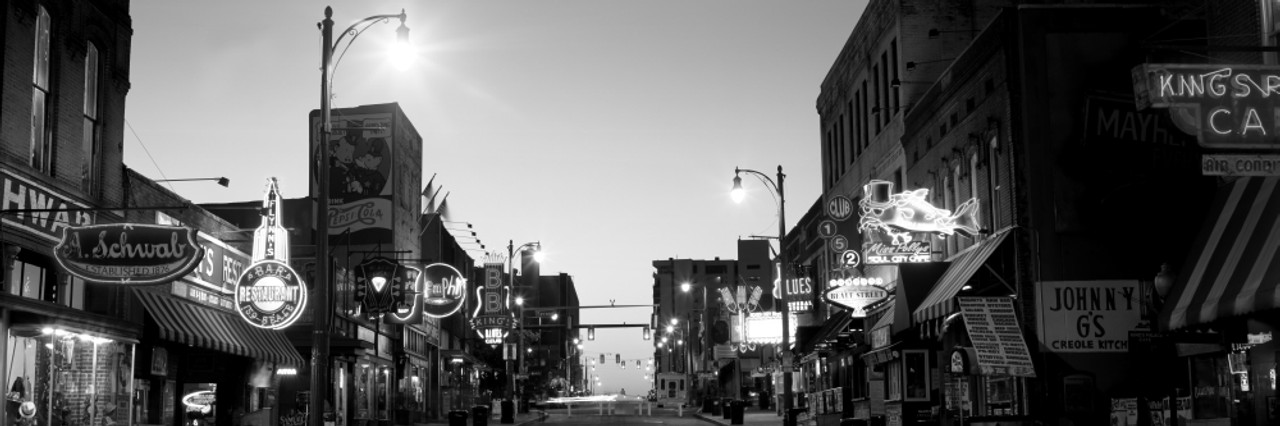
1211, 387
63, 378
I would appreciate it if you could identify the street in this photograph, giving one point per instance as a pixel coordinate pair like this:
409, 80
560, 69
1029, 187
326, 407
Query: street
589, 417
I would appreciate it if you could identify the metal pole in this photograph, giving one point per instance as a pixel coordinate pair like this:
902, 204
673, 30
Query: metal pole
320, 310
511, 280
786, 314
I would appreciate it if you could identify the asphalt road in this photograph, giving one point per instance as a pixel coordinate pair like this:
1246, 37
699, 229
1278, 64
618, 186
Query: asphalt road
660, 416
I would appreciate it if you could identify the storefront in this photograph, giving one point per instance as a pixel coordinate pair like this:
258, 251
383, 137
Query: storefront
1220, 315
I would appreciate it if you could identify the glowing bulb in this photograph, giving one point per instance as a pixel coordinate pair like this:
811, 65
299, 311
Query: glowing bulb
685, 287
401, 51
737, 193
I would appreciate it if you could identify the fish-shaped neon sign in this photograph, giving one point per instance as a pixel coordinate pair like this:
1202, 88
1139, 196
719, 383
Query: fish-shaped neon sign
901, 214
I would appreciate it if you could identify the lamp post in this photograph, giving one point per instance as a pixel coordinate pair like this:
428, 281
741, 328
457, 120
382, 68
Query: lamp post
511, 278
702, 343
776, 186
321, 311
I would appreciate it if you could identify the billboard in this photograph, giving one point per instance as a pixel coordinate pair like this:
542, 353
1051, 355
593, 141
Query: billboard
361, 182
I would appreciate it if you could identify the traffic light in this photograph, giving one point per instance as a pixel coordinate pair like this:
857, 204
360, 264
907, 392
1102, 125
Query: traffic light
602, 358
591, 333
618, 358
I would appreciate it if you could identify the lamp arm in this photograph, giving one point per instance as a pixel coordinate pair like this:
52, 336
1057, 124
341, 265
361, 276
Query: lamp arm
763, 177
355, 33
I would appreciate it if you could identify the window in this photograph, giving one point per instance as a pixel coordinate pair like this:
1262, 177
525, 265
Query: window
41, 152
878, 108
89, 141
1270, 27
973, 183
897, 91
956, 197
884, 88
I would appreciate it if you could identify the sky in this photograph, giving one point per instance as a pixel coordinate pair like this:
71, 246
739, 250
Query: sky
608, 130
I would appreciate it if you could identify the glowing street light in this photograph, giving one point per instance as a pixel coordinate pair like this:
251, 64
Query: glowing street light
321, 315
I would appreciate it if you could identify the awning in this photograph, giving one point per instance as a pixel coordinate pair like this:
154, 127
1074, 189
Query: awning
941, 300
1234, 265
31, 316
185, 322
886, 319
880, 356
829, 329
449, 355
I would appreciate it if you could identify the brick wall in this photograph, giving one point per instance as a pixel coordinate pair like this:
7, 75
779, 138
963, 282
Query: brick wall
74, 24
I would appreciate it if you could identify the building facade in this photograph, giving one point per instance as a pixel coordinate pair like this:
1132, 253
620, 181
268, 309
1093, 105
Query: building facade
66, 75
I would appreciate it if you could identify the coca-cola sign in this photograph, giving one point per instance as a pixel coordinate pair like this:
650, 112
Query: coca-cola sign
125, 253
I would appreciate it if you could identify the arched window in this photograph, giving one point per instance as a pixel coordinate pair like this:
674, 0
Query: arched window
41, 150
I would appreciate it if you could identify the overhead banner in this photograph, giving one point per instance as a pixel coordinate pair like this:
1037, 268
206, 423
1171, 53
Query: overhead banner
125, 253
997, 339
1087, 316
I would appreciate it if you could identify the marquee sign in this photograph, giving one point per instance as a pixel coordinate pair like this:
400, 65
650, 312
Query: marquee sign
1225, 106
382, 285
898, 216
493, 316
766, 327
269, 294
125, 253
446, 290
855, 294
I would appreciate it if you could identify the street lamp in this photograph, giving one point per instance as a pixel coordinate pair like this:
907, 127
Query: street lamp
321, 311
221, 180
511, 278
777, 186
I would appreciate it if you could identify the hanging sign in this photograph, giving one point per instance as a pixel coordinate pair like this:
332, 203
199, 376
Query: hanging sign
493, 316
997, 339
381, 285
446, 290
409, 312
855, 294
798, 292
269, 294
124, 253
890, 220
1225, 106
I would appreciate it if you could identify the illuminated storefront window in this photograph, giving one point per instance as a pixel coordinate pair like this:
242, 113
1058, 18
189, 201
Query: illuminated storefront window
57, 377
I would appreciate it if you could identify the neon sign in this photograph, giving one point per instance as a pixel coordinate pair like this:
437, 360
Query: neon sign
1228, 106
493, 316
200, 400
446, 290
798, 291
901, 214
126, 253
766, 327
269, 294
855, 294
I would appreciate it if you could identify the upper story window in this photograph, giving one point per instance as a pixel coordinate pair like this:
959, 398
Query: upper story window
90, 140
41, 135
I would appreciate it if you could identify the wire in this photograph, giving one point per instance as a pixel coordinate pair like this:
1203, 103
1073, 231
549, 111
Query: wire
147, 151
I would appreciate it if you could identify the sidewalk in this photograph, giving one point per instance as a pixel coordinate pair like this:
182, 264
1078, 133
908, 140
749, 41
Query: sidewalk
495, 419
749, 418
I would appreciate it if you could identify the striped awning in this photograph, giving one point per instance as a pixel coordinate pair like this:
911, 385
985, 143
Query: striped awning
941, 300
1234, 265
185, 322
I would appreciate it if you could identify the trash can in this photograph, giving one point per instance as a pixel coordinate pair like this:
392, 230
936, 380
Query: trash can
715, 406
458, 418
792, 415
736, 407
480, 415
508, 408
764, 401
708, 406
725, 410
